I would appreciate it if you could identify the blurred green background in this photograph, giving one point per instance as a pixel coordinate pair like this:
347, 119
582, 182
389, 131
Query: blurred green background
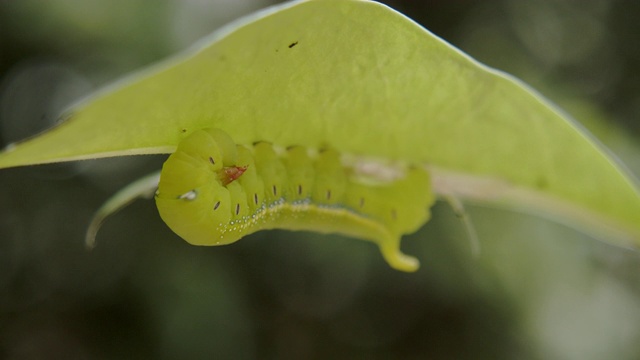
539, 290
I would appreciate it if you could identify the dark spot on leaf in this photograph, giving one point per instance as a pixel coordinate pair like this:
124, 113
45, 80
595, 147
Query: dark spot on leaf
293, 44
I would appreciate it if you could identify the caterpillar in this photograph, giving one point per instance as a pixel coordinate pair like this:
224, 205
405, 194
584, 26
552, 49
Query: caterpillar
213, 192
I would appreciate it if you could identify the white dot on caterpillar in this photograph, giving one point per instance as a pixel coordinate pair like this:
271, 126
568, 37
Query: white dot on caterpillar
189, 196
216, 206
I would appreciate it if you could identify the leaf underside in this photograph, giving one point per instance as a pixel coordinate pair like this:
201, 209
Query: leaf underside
365, 80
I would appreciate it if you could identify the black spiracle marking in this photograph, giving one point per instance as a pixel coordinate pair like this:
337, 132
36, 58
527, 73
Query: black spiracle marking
216, 206
299, 189
255, 198
275, 191
237, 209
213, 162
329, 194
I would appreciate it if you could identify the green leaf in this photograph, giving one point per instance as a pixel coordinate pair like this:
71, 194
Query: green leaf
366, 80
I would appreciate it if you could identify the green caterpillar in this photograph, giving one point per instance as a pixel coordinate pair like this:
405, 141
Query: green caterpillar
214, 192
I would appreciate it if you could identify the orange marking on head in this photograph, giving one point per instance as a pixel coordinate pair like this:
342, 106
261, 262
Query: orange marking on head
230, 173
